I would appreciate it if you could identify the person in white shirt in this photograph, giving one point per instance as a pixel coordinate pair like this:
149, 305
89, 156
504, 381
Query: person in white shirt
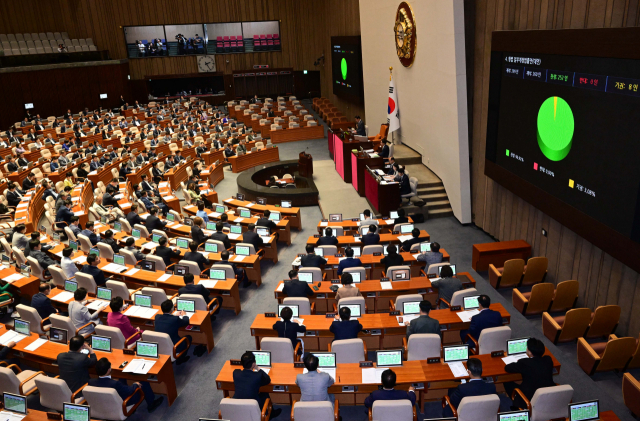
367, 219
19, 240
80, 314
68, 266
113, 214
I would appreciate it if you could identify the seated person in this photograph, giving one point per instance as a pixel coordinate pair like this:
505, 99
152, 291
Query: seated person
406, 245
388, 393
536, 371
347, 289
170, 324
42, 303
368, 220
199, 289
122, 322
311, 260
251, 237
431, 257
349, 261
392, 258
371, 238
295, 287
108, 239
446, 285
248, 381
80, 315
130, 246
475, 386
194, 256
314, 385
219, 235
91, 268
167, 253
328, 239
288, 329
89, 231
487, 318
343, 328
401, 219
239, 272
424, 323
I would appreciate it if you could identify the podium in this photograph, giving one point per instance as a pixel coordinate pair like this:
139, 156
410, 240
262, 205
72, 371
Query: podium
342, 152
383, 197
305, 165
359, 162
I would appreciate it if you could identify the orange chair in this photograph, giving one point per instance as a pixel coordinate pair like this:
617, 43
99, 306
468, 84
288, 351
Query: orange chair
635, 359
604, 321
567, 328
631, 393
508, 276
565, 296
535, 271
614, 354
534, 302
384, 132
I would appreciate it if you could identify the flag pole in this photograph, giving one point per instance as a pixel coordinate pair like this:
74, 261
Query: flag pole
390, 76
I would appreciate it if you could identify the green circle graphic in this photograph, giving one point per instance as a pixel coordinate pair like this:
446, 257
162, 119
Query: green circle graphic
343, 67
555, 128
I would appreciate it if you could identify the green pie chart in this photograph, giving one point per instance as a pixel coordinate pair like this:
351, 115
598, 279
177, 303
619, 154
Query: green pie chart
555, 128
343, 67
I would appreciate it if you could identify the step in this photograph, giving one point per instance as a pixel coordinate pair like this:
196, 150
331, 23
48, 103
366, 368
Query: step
430, 190
439, 204
433, 197
440, 213
410, 160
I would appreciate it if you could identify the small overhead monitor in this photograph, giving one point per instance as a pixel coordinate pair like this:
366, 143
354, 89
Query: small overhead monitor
517, 346
217, 274
453, 268
513, 416
56, 237
101, 343
219, 209
356, 310
15, 403
426, 246
103, 96
401, 275
243, 250
28, 106
149, 265
389, 358
393, 215
471, 302
455, 353
95, 250
117, 226
236, 229
584, 411
245, 213
274, 216
147, 349
335, 217
240, 196
211, 225
263, 232
135, 233
60, 336
326, 359
211, 247
25, 269
263, 358
319, 251
142, 300
305, 277
104, 293
171, 217
73, 245
285, 204
294, 308
261, 200
70, 286
118, 259
406, 229
22, 326
411, 307
180, 270
187, 305
182, 243
73, 412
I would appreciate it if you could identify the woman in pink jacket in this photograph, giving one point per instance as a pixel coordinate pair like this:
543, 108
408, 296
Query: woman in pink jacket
119, 320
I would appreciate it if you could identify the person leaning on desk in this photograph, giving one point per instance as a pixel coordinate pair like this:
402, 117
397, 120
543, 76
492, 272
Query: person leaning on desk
343, 328
296, 288
311, 260
74, 365
248, 381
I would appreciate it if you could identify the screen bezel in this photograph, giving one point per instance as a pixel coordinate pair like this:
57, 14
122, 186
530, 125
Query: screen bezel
597, 401
350, 305
98, 289
464, 299
148, 343
516, 339
254, 351
22, 321
306, 274
296, 313
410, 302
511, 413
101, 337
453, 346
23, 397
186, 299
389, 350
135, 299
326, 353
66, 335
64, 407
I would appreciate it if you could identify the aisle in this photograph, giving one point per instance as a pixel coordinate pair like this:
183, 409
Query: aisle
336, 196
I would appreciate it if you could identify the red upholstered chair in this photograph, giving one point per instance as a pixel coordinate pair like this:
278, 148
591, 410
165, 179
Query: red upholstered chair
256, 43
227, 47
240, 43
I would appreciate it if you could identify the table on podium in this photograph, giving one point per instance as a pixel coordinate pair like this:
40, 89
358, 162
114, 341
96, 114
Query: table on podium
341, 150
359, 163
384, 198
305, 165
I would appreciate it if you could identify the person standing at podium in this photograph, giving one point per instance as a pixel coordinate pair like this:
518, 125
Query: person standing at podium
360, 131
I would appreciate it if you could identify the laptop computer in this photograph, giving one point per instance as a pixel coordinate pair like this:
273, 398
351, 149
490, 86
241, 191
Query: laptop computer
285, 203
455, 353
426, 246
401, 275
393, 215
470, 303
73, 245
70, 286
142, 300
453, 268
101, 343
245, 213
357, 251
156, 238
305, 277
135, 233
22, 326
355, 276
263, 232
240, 196
319, 251
171, 217
406, 229
410, 308
356, 310
149, 265
60, 336
74, 412
274, 216
117, 226
326, 363
389, 358
180, 270
517, 346
211, 225
15, 403
236, 229
263, 358
294, 308
147, 349
362, 216
219, 209
243, 250
335, 217
217, 274
188, 222
104, 293
584, 411
182, 243
189, 306
513, 416
211, 247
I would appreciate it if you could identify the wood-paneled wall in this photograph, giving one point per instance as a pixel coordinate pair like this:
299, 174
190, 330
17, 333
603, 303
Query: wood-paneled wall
603, 280
306, 28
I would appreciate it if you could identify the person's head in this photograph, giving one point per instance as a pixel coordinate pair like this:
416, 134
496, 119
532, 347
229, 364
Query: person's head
474, 367
45, 288
193, 246
415, 233
11, 186
89, 225
20, 228
400, 170
346, 278
130, 242
248, 360
80, 294
446, 272
391, 249
134, 208
108, 234
425, 307
34, 244
69, 174
309, 248
293, 274
67, 190
188, 278
286, 313
153, 211
116, 304
68, 203
198, 221
31, 176
388, 379
358, 118
162, 241
328, 232
93, 260
349, 252
143, 193
219, 226
251, 227
535, 347
76, 343
200, 205
372, 229
35, 235
484, 301
311, 362
75, 220
67, 252
166, 306
345, 313
367, 213
224, 255
435, 247
103, 367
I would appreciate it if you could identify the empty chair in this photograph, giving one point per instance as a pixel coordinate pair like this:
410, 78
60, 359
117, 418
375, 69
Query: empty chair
118, 341
57, 276
165, 344
315, 411
421, 346
305, 307
158, 295
413, 183
491, 339
635, 358
244, 410
63, 322
569, 327
32, 316
329, 250
87, 282
377, 248
36, 269
475, 408
89, 41
193, 266
399, 410
20, 383
548, 402
106, 403
316, 273
508, 276
631, 393
604, 321
535, 271
75, 42
614, 354
349, 350
54, 392
401, 299
458, 297
281, 350
535, 302
565, 296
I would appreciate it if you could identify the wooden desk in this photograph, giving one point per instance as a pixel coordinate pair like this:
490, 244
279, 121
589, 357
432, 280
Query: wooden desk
299, 133
252, 159
213, 156
33, 415
497, 253
160, 376
178, 174
104, 174
385, 224
384, 198
292, 214
24, 287
18, 177
359, 162
345, 240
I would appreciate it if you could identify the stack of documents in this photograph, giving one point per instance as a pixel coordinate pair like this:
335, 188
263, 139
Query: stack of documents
139, 366
97, 304
63, 297
466, 316
141, 312
407, 318
13, 277
514, 358
328, 370
114, 267
11, 336
372, 375
403, 238
33, 346
458, 369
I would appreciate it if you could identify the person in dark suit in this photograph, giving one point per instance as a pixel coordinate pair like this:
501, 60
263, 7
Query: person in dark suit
360, 130
266, 222
392, 258
475, 386
296, 288
221, 236
153, 222
197, 234
388, 393
64, 213
89, 231
108, 239
103, 370
487, 318
447, 285
42, 303
349, 262
108, 198
191, 288
240, 273
343, 328
288, 329
11, 165
371, 238
91, 268
130, 246
405, 187
415, 233
401, 219
311, 260
133, 216
424, 323
248, 381
29, 182
73, 365
251, 237
14, 195
384, 151
170, 324
196, 257
536, 371
329, 239
167, 253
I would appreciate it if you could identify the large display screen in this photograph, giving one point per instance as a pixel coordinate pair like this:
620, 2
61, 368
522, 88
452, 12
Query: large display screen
346, 64
567, 126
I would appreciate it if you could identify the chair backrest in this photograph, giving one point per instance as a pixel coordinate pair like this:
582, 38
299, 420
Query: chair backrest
551, 402
617, 354
393, 269
362, 271
303, 303
70, 234
36, 269
329, 250
316, 411
193, 266
458, 296
252, 249
9, 382
129, 257
57, 276
281, 349
126, 227
106, 252
117, 338
535, 271
119, 289
240, 409
316, 273
63, 322
400, 410
423, 345
158, 295
540, 299
353, 300
165, 345
476, 408
565, 296
87, 282
512, 273
143, 230
434, 268
348, 351
494, 339
105, 403
375, 248
160, 265
32, 316
85, 243
6, 246
401, 299
201, 304
575, 324
604, 322
53, 392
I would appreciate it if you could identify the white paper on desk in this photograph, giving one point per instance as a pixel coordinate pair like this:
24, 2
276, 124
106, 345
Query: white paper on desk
176, 226
93, 172
324, 224
329, 371
207, 283
80, 259
379, 172
384, 183
164, 277
239, 219
3, 267
514, 358
280, 287
11, 416
265, 369
458, 369
150, 245
78, 213
114, 267
163, 184
131, 272
389, 221
249, 205
215, 214
144, 216
386, 285
13, 277
466, 316
11, 336
119, 196
403, 238
63, 297
237, 258
415, 256
208, 232
168, 197
407, 318
372, 375
35, 344
340, 259
265, 239
228, 200
234, 236
22, 205
190, 207
139, 366
97, 304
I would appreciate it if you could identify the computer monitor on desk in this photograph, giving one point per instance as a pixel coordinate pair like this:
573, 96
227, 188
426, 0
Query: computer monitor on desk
455, 353
73, 412
584, 411
15, 403
294, 308
389, 358
356, 310
514, 416
335, 217
305, 277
